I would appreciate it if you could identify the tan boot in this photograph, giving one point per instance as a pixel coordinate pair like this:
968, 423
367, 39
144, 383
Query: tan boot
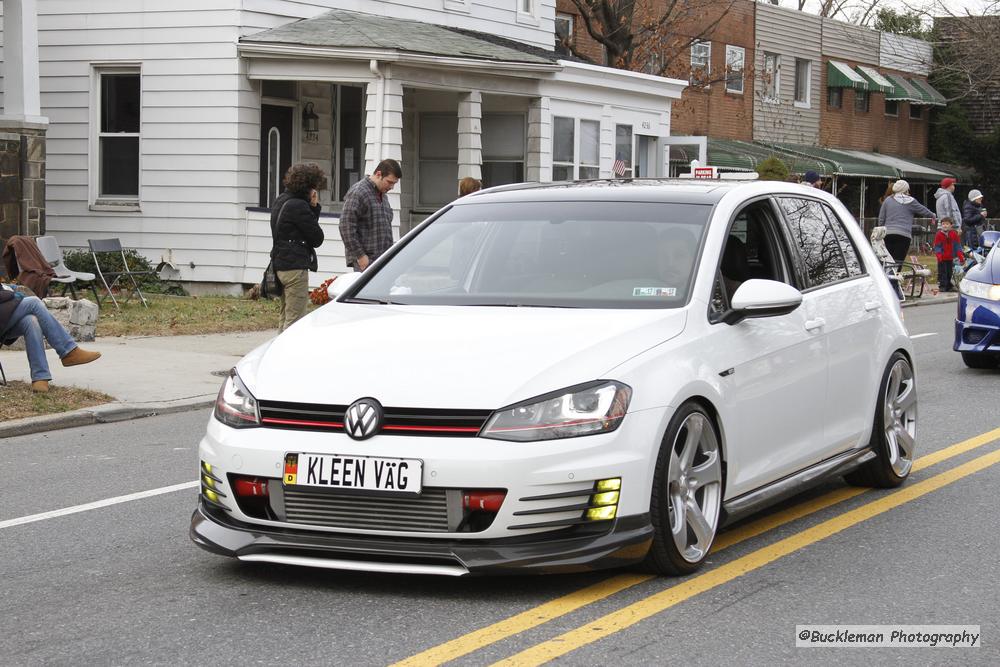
40, 386
79, 356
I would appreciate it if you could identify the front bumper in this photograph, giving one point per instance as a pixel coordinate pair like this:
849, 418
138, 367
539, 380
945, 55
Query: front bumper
977, 326
625, 542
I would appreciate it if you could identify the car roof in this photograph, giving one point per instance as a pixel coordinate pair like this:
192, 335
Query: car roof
675, 190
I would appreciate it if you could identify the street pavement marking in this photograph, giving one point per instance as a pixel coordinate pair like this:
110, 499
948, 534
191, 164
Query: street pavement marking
96, 504
631, 614
923, 335
570, 602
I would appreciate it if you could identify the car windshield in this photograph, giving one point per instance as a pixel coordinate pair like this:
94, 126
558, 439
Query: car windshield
551, 254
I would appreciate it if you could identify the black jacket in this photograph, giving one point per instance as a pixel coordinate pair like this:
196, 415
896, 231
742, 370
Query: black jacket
972, 213
295, 234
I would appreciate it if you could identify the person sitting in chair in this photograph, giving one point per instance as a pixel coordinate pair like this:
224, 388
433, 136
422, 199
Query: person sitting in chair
27, 316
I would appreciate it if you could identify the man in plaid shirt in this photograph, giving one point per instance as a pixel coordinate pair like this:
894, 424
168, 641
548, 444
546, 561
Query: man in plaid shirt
366, 221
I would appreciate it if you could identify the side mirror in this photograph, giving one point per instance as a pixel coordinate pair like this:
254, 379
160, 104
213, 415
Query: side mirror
341, 284
762, 298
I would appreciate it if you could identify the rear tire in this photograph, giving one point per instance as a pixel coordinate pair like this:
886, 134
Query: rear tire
981, 361
686, 499
894, 429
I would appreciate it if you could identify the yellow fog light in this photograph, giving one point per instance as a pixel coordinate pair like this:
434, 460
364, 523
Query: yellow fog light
606, 498
601, 513
208, 481
613, 484
211, 495
207, 467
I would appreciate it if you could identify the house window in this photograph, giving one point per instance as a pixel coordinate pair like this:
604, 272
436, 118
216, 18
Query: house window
564, 33
437, 161
862, 99
803, 71
834, 97
526, 11
701, 61
735, 59
503, 149
527, 6
117, 160
622, 166
348, 126
771, 76
572, 160
891, 108
563, 148
916, 113
456, 5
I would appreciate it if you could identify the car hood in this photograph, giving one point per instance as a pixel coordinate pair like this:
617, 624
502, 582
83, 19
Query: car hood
448, 356
989, 271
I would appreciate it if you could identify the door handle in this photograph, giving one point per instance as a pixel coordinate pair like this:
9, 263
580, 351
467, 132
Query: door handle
872, 305
818, 323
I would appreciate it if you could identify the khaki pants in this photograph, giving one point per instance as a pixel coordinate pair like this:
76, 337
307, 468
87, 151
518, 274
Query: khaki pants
295, 298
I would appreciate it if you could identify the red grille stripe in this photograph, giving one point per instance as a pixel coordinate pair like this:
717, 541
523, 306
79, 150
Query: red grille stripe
301, 422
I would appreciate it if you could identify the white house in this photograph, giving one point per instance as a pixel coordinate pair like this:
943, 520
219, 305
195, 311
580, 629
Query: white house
171, 124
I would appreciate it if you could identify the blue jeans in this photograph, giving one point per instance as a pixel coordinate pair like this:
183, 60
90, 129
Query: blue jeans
33, 320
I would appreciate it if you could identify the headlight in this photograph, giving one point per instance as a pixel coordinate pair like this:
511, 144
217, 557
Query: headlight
235, 406
595, 407
979, 290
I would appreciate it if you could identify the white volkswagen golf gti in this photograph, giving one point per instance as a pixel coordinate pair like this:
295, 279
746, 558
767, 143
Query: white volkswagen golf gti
561, 377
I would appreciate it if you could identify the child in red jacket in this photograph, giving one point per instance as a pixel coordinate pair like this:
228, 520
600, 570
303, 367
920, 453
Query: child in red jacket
947, 247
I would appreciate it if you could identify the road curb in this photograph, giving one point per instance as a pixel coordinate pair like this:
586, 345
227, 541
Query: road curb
930, 301
100, 414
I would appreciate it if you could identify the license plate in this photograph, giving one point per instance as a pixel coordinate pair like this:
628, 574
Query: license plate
367, 473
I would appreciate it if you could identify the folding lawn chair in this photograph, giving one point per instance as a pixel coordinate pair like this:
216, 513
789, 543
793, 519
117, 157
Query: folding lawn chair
68, 278
107, 249
904, 276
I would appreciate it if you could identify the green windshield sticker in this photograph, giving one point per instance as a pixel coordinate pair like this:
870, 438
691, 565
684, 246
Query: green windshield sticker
654, 291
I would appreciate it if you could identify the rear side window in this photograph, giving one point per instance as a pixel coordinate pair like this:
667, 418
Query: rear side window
818, 244
854, 265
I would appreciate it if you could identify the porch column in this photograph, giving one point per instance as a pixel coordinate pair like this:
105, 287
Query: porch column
384, 131
470, 140
22, 127
538, 160
607, 142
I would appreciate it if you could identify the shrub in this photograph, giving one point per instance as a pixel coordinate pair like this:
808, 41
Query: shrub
82, 260
772, 169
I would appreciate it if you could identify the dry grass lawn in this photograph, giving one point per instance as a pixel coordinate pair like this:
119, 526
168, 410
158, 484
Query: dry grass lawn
176, 315
17, 400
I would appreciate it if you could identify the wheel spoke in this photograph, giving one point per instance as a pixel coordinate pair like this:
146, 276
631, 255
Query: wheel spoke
709, 472
678, 523
699, 524
907, 399
695, 425
895, 377
904, 442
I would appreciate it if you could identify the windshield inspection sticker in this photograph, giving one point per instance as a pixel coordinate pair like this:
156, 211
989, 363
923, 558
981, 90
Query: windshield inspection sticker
654, 291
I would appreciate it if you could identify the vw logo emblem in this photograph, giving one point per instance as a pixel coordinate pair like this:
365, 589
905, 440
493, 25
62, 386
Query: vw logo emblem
363, 418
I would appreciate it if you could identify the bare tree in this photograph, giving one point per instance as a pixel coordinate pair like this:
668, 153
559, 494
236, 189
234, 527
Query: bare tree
649, 35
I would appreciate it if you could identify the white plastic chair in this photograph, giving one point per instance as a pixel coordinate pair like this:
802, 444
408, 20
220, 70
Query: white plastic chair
52, 253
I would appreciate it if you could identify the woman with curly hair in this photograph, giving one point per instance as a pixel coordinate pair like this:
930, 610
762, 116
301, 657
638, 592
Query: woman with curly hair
296, 234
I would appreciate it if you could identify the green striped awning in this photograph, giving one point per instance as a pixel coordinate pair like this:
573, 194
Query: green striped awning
840, 75
932, 96
903, 90
843, 164
734, 155
877, 83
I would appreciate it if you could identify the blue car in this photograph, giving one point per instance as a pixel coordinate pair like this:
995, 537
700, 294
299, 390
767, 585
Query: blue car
977, 324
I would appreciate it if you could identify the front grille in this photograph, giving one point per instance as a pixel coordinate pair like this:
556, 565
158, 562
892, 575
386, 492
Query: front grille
398, 421
427, 513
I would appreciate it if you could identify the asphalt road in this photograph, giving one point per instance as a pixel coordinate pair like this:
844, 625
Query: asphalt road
121, 583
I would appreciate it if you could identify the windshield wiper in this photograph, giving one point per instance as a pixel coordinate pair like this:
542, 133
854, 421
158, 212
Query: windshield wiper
517, 305
379, 301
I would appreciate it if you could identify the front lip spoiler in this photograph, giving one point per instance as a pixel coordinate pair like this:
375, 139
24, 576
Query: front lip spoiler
626, 543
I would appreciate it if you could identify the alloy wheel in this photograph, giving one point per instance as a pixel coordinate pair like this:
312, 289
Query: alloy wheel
694, 487
900, 413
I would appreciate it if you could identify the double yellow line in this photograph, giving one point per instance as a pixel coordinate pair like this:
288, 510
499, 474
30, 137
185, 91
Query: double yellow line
649, 606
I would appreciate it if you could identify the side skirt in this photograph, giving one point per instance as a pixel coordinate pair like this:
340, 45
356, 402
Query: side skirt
795, 483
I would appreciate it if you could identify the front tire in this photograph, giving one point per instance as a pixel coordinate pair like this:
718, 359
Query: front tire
894, 430
686, 498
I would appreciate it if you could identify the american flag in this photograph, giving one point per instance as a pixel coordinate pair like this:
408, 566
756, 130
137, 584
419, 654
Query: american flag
620, 167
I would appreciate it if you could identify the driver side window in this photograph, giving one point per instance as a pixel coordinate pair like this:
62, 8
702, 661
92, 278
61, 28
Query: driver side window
753, 249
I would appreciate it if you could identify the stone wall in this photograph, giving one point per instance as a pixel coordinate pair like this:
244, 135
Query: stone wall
22, 180
78, 317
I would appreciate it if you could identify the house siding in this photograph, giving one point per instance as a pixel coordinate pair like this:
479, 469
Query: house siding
790, 34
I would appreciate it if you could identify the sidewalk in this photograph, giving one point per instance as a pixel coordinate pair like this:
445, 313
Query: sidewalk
148, 375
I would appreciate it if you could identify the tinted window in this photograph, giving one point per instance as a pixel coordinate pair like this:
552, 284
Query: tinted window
854, 266
569, 254
815, 239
